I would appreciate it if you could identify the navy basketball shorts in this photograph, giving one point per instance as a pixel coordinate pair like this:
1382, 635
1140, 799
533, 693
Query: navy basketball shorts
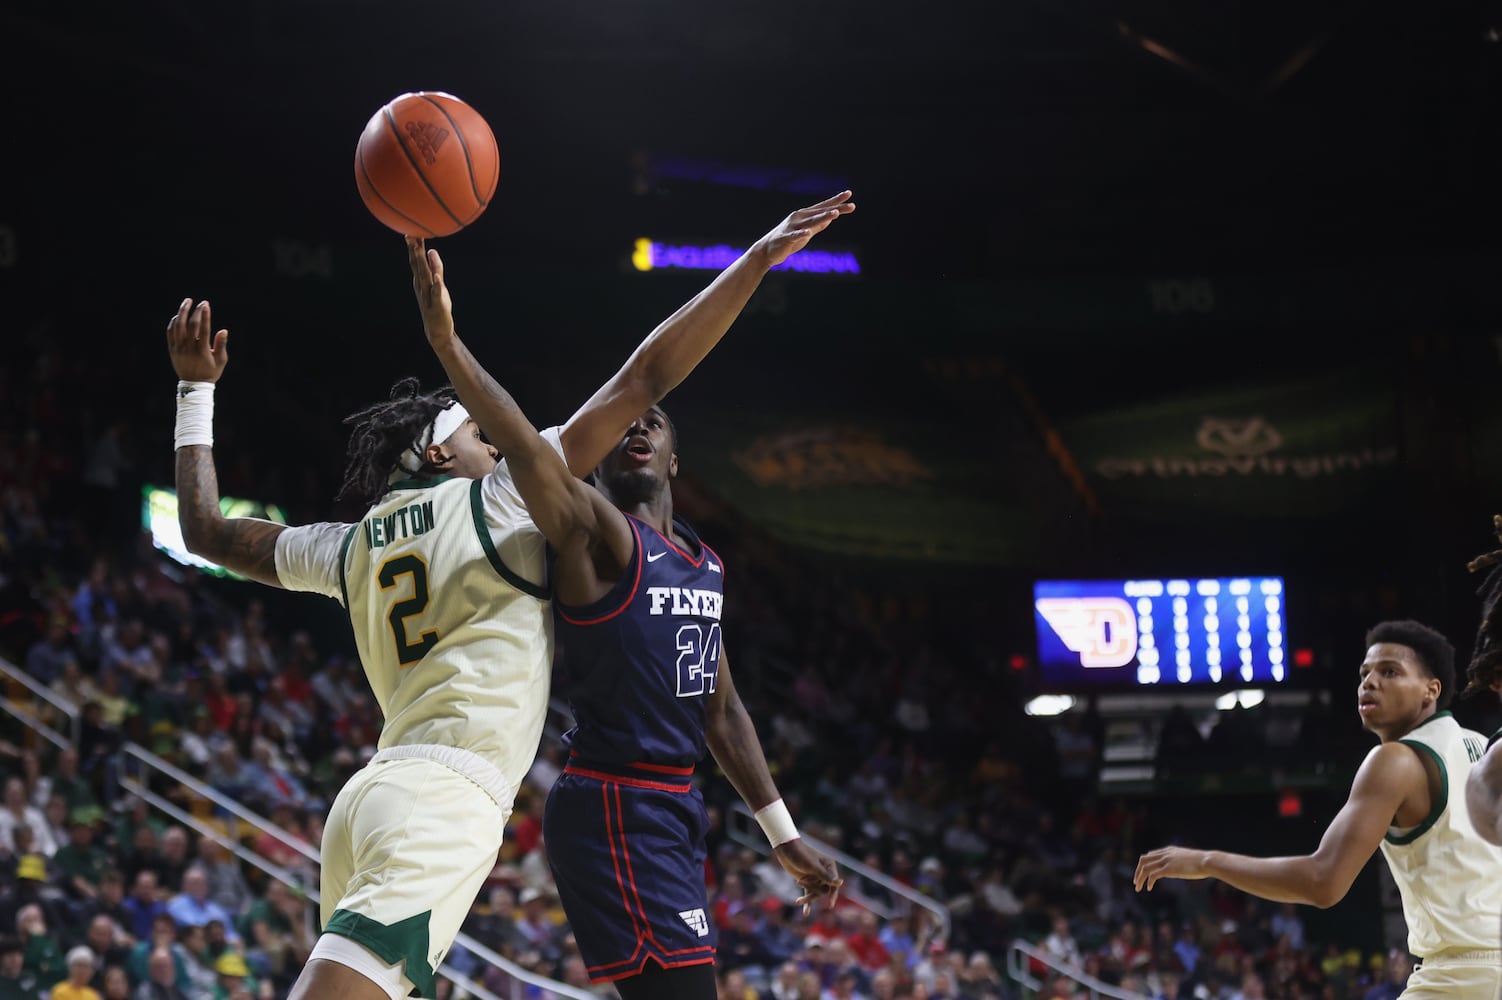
627, 848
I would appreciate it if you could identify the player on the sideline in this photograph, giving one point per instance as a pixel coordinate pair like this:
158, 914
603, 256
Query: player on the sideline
638, 600
443, 579
1408, 797
1484, 786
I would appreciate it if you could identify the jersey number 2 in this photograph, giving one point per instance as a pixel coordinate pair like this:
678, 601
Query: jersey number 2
408, 653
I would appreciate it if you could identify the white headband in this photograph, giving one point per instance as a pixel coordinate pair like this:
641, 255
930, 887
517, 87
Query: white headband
441, 429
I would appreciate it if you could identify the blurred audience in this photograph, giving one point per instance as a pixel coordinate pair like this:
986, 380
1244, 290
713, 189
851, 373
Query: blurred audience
894, 730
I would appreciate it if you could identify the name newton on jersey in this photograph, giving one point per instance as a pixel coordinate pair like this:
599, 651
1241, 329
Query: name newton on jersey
405, 522
685, 601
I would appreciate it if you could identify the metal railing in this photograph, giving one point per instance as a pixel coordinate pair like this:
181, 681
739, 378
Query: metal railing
39, 727
69, 710
1020, 954
740, 822
135, 764
134, 752
519, 977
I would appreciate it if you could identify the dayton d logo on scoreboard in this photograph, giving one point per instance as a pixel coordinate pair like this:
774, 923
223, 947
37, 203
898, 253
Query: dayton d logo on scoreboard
1103, 630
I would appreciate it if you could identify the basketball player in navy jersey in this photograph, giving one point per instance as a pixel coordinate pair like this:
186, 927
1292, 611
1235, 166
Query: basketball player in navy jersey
637, 611
638, 600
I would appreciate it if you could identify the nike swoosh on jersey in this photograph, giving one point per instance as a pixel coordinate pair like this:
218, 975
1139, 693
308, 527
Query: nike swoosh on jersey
654, 556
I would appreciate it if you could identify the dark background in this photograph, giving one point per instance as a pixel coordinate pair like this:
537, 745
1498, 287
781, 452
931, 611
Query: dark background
1029, 176
1025, 172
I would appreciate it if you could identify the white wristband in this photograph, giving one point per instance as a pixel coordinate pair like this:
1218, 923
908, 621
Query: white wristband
777, 823
195, 414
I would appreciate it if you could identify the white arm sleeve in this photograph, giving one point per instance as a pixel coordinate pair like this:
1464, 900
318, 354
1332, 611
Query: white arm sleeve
518, 542
307, 558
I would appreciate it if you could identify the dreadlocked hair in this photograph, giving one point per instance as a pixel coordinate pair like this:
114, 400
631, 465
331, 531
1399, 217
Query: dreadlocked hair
1486, 653
382, 432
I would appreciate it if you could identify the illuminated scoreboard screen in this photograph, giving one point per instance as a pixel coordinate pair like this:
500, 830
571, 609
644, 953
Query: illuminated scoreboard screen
1163, 633
159, 516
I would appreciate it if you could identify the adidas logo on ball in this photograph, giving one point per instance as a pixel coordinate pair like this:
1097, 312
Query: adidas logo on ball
428, 138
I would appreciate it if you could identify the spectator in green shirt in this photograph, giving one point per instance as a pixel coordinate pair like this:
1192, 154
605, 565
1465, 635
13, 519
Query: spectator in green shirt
43, 955
137, 814
163, 936
162, 981
81, 864
64, 779
16, 981
275, 929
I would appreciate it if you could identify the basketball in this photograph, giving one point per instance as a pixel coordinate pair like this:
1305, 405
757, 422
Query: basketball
426, 164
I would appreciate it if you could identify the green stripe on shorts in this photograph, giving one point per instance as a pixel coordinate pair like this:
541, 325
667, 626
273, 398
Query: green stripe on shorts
405, 941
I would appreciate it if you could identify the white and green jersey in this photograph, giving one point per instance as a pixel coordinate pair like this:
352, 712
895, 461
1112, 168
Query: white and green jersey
444, 584
1450, 879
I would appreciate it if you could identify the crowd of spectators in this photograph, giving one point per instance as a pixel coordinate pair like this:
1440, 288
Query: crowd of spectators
892, 722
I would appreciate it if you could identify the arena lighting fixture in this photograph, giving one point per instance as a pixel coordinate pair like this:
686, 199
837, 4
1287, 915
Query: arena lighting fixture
653, 167
1249, 698
1049, 705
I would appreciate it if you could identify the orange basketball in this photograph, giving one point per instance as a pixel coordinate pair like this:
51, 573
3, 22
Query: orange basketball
426, 164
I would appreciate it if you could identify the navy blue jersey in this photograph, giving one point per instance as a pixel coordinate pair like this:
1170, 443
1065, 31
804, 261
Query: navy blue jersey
642, 661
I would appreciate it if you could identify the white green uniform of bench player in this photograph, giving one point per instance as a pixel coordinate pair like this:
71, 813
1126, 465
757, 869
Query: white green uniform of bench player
1449, 878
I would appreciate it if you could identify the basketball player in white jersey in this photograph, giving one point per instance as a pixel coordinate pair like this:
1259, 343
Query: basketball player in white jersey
443, 579
1484, 787
1409, 799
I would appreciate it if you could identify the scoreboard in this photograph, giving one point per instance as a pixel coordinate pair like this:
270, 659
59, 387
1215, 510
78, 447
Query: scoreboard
1169, 632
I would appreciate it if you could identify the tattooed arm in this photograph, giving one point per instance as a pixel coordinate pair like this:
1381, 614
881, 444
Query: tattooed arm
246, 545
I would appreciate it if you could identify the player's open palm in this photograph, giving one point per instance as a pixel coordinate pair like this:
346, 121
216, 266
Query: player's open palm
431, 291
815, 874
796, 230
1168, 862
198, 354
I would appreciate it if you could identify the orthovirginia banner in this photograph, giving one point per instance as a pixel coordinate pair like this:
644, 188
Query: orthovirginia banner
1297, 449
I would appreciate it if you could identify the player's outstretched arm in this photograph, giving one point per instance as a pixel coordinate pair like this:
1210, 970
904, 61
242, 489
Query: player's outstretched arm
682, 340
1483, 795
562, 506
246, 545
1389, 775
732, 739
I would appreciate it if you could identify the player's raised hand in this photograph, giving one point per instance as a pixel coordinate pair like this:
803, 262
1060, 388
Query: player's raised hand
815, 874
1168, 862
794, 232
198, 354
432, 294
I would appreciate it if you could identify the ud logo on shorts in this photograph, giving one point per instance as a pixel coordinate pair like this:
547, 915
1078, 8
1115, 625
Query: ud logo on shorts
696, 920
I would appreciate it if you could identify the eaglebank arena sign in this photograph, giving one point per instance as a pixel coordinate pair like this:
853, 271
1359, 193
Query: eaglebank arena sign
1245, 448
650, 255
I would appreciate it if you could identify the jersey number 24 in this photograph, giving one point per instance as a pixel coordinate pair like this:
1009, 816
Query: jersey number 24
698, 659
